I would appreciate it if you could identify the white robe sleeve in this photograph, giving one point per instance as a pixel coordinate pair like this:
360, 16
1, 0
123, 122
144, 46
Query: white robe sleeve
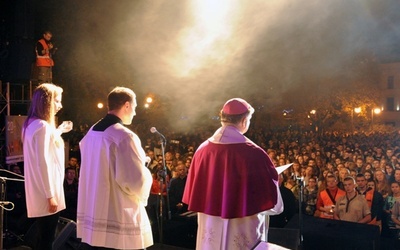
278, 208
131, 174
42, 139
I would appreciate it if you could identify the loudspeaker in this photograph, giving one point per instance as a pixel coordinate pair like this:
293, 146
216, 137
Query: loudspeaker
285, 237
180, 233
329, 234
158, 246
65, 236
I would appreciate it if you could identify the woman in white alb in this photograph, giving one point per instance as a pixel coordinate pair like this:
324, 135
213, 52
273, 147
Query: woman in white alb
44, 162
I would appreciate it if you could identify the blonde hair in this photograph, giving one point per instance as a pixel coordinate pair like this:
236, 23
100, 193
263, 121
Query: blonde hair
42, 103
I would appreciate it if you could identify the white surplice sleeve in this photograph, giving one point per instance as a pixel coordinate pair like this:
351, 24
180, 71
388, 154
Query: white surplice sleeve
42, 142
278, 208
131, 174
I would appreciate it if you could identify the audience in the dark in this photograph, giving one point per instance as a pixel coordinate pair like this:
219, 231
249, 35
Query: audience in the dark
176, 188
289, 203
71, 193
321, 161
16, 219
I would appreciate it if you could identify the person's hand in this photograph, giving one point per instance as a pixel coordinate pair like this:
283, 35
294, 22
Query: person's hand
65, 127
50, 45
325, 209
52, 205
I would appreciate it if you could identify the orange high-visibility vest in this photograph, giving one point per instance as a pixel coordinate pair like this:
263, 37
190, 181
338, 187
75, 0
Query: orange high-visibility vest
328, 202
45, 60
369, 196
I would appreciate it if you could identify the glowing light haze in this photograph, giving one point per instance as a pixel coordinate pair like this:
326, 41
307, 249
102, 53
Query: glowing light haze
197, 54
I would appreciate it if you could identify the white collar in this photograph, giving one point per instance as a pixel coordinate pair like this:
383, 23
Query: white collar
228, 135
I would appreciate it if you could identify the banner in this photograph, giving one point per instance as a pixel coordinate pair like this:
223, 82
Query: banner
14, 150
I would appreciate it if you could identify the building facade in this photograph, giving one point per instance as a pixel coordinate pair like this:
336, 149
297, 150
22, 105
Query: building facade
390, 85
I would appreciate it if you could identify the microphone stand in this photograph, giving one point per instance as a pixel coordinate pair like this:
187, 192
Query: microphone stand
3, 201
161, 178
300, 183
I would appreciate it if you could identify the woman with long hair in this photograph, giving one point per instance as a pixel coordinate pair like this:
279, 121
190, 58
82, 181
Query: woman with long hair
389, 170
382, 184
296, 169
44, 162
369, 175
389, 226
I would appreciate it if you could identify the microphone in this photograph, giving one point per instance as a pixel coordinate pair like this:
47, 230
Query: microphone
154, 130
147, 161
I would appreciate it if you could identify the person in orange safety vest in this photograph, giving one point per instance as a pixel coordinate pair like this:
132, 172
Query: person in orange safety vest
374, 199
327, 198
44, 62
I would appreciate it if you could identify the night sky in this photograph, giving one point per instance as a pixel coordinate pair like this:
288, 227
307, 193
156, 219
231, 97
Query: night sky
194, 55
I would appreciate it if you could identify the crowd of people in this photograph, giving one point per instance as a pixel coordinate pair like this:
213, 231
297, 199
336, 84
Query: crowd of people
322, 166
334, 175
335, 170
340, 176
351, 177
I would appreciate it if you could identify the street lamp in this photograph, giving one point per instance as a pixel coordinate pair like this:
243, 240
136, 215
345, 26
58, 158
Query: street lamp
149, 100
313, 120
375, 111
356, 110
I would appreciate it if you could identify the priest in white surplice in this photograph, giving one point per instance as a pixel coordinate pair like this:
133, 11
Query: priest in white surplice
114, 183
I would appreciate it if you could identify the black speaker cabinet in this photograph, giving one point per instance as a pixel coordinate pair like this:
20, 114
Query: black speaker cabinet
284, 237
65, 236
328, 234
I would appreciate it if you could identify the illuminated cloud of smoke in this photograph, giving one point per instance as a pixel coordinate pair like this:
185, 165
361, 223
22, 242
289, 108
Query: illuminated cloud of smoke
197, 54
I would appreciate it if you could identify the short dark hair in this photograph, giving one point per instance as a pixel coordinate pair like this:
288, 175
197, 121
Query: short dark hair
394, 182
331, 176
349, 178
313, 178
69, 168
234, 119
360, 175
119, 96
